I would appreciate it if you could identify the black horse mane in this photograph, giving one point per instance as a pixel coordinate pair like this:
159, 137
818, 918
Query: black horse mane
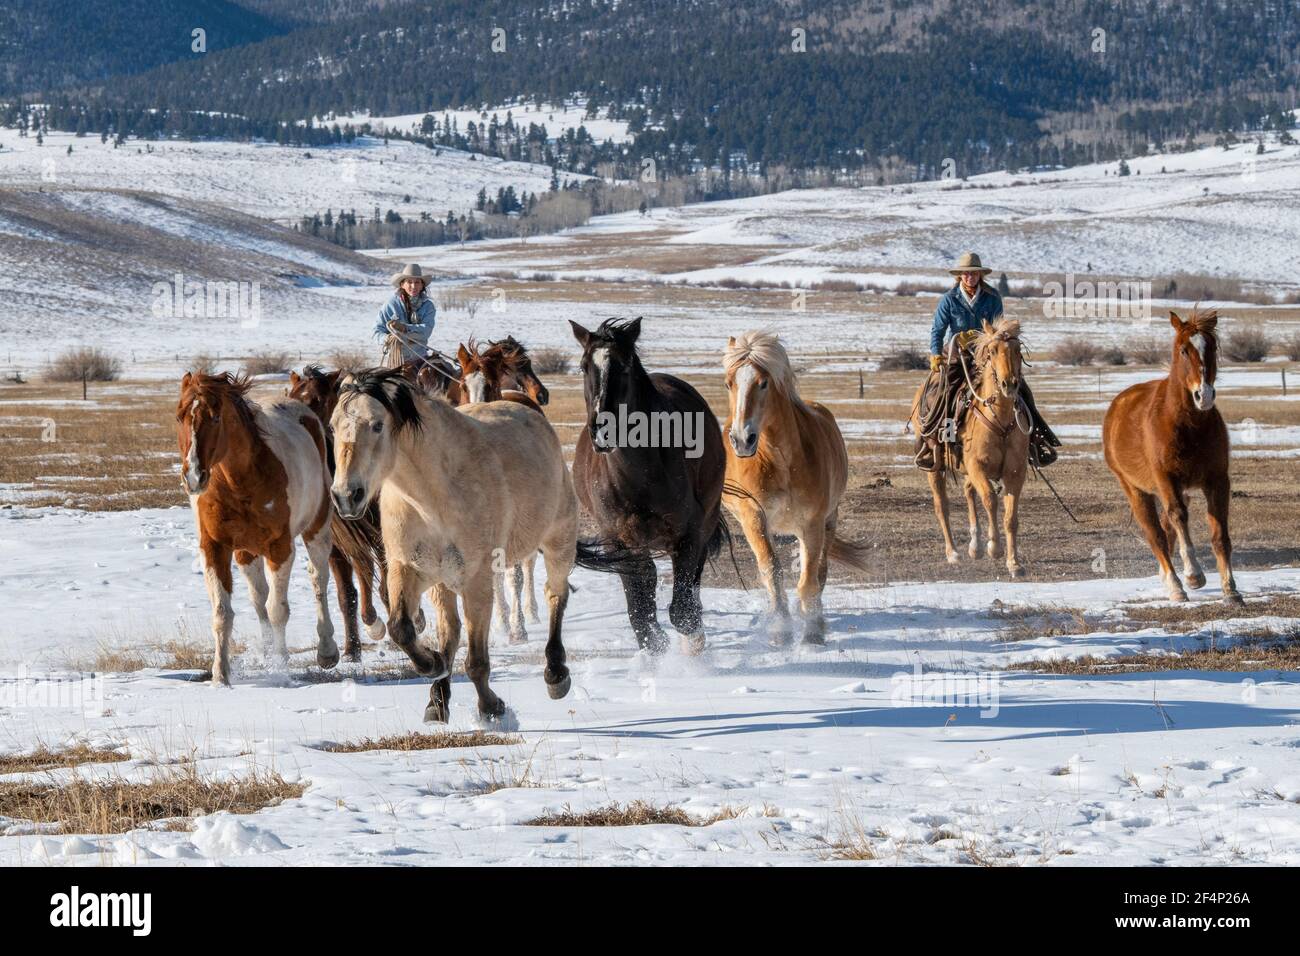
388, 387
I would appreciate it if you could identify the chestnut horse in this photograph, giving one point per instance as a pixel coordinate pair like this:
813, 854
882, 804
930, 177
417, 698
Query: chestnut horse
995, 444
358, 547
257, 479
788, 462
459, 490
1165, 437
649, 468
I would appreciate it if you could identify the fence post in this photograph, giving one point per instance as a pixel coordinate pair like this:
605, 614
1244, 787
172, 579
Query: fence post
862, 385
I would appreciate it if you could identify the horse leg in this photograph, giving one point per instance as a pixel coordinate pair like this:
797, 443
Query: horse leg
1217, 496
518, 633
277, 607
685, 612
444, 603
365, 575
529, 591
404, 587
812, 550
1011, 527
477, 597
558, 556
973, 517
216, 575
346, 593
1174, 501
940, 494
318, 559
1143, 506
753, 524
639, 590
251, 567
499, 600
990, 500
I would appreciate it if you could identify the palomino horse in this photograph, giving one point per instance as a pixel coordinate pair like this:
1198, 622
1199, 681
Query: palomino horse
789, 463
649, 469
257, 479
458, 490
1164, 437
358, 547
994, 441
492, 374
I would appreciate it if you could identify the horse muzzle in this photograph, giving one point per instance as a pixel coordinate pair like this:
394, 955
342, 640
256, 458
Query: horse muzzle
1203, 397
543, 396
196, 482
349, 502
744, 443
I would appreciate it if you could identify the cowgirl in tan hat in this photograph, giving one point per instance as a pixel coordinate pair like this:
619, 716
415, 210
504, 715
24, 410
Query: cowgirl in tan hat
961, 313
406, 320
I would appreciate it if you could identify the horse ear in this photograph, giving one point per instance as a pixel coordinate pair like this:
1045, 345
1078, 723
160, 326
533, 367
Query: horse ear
988, 326
294, 379
1176, 322
731, 341
579, 333
462, 355
633, 330
185, 382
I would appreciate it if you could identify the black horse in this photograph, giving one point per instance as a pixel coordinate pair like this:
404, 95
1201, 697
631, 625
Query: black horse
649, 470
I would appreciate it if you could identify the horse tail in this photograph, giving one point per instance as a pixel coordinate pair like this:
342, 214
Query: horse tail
846, 552
361, 543
610, 557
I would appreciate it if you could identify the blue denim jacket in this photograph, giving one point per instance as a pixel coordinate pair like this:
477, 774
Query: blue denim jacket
418, 328
953, 315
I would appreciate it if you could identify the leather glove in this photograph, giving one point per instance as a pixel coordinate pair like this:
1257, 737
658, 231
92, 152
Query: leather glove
936, 362
964, 339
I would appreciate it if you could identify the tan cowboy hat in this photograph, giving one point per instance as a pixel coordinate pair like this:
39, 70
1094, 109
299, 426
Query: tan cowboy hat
969, 262
412, 271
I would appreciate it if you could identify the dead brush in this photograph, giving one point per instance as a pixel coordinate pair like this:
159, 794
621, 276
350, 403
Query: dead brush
116, 805
1207, 612
441, 740
43, 758
1244, 655
510, 771
638, 813
1029, 622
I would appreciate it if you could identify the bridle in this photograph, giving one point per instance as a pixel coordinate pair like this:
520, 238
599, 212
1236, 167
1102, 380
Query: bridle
980, 405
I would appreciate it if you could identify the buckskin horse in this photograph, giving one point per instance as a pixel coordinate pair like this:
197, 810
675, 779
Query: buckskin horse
994, 440
257, 480
649, 494
1165, 437
459, 490
788, 461
358, 546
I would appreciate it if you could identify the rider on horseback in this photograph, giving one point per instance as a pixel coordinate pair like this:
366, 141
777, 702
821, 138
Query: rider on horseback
406, 320
962, 312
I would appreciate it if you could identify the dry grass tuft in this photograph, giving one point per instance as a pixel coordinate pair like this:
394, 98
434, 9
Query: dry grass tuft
1248, 652
638, 813
170, 655
1028, 622
116, 806
1207, 612
43, 758
1246, 344
441, 740
350, 360
268, 363
1075, 351
904, 360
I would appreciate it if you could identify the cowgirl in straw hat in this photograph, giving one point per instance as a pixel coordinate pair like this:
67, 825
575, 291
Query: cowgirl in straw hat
406, 320
959, 317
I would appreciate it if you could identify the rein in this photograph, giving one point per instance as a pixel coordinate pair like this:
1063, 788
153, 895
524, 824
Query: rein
980, 404
412, 343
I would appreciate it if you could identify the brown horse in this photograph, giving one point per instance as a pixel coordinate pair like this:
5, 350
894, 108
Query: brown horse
358, 545
649, 469
994, 444
788, 460
257, 479
1165, 437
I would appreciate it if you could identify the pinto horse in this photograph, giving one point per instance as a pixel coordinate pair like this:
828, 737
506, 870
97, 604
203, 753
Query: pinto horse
1164, 437
787, 468
994, 445
458, 489
358, 546
257, 479
649, 469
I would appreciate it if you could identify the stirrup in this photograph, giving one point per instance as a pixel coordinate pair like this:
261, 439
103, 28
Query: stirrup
933, 463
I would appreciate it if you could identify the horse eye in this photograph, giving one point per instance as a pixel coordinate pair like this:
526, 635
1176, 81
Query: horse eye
377, 427
763, 386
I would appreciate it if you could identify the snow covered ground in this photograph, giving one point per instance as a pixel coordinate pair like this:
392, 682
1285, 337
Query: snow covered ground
558, 119
1154, 768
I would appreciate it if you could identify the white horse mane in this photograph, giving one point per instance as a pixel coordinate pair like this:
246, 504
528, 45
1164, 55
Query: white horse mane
764, 350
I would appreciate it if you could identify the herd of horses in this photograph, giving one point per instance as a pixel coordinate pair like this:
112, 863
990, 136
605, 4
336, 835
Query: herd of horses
444, 478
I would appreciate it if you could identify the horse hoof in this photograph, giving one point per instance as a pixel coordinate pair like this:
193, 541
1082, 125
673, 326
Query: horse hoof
436, 713
692, 645
375, 630
353, 652
519, 637
1178, 597
494, 709
326, 661
1016, 572
657, 644
953, 559
1194, 580
815, 640
1233, 597
559, 689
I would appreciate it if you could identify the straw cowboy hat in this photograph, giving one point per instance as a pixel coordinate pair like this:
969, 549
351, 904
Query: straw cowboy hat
412, 271
969, 262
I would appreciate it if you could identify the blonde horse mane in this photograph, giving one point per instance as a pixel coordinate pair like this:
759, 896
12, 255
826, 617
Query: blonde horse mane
764, 350
1003, 330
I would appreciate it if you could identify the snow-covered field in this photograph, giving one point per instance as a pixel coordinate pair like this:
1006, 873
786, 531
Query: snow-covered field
557, 119
1151, 768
